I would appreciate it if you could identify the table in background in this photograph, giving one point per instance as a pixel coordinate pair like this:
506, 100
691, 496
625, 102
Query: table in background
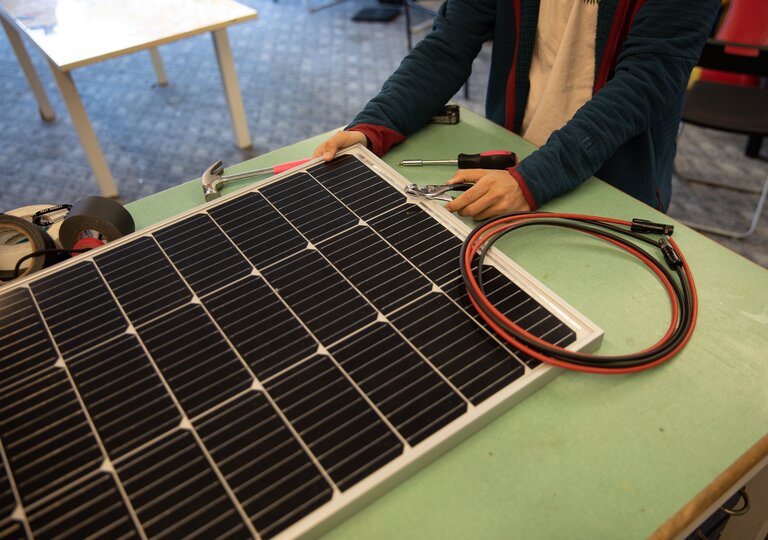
76, 33
587, 456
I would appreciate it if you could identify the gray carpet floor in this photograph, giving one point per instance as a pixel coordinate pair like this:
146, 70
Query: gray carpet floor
301, 74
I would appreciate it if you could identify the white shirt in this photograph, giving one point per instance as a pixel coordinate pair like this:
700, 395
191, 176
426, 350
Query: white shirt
562, 67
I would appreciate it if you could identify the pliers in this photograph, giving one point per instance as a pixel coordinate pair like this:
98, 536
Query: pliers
436, 192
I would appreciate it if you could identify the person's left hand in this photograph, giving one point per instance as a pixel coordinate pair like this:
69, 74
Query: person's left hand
495, 192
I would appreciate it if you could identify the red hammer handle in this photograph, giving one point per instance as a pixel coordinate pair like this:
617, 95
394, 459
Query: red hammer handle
290, 165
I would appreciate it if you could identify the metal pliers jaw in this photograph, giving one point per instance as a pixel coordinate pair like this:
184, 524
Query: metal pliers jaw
436, 192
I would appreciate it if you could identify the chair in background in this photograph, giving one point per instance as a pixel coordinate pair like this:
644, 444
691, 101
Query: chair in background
428, 9
742, 21
731, 107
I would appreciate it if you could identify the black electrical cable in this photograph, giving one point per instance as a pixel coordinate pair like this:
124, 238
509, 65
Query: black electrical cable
679, 285
38, 253
619, 361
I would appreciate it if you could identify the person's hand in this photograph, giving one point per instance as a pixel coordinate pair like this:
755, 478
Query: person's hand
340, 140
495, 192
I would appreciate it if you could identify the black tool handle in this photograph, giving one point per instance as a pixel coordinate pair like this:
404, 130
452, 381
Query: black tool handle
497, 159
461, 187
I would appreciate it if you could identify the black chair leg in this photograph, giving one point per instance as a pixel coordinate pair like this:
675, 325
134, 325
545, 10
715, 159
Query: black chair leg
409, 32
407, 12
753, 146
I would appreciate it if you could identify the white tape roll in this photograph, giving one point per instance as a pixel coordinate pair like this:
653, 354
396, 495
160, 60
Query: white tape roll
19, 238
26, 213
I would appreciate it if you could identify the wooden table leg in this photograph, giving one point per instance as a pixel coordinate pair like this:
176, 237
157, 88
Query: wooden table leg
46, 110
231, 88
85, 131
157, 62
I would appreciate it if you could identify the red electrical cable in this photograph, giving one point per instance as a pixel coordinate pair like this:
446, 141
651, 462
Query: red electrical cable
480, 236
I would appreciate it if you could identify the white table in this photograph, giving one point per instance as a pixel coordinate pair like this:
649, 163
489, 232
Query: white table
76, 33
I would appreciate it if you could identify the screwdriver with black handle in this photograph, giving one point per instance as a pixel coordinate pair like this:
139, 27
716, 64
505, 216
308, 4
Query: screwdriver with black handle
495, 159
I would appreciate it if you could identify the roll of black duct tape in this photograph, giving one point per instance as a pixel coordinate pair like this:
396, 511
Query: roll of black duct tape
95, 217
18, 238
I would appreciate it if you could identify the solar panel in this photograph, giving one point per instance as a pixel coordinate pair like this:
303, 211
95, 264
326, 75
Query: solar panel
258, 366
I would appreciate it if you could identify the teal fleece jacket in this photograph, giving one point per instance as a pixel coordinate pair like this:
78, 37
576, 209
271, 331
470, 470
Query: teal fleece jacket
644, 53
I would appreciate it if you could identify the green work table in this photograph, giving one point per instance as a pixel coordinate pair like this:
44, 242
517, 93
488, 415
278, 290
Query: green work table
587, 456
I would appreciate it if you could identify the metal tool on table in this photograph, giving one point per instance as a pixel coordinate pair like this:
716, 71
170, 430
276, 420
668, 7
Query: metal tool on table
495, 159
436, 192
212, 178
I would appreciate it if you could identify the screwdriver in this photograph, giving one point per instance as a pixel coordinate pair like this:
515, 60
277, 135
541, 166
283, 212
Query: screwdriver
495, 159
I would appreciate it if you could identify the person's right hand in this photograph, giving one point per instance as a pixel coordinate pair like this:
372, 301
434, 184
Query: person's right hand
340, 140
495, 192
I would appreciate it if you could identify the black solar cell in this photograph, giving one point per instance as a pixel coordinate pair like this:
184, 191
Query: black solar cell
379, 272
87, 509
311, 209
258, 230
46, 435
415, 399
333, 418
201, 369
143, 280
423, 240
471, 358
12, 530
202, 253
176, 492
124, 395
358, 187
320, 296
7, 500
256, 321
78, 308
269, 472
25, 348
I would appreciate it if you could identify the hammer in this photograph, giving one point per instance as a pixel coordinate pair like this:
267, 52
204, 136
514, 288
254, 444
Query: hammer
212, 178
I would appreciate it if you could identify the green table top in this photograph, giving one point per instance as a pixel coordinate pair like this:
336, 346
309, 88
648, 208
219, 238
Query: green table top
587, 456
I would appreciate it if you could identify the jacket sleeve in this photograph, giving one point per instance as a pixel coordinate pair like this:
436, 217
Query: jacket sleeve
661, 48
431, 73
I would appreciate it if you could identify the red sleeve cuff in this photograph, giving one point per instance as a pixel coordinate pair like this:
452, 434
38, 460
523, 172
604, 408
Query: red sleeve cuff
523, 187
380, 138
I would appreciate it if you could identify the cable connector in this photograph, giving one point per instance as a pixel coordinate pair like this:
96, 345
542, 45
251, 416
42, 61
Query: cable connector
673, 259
645, 226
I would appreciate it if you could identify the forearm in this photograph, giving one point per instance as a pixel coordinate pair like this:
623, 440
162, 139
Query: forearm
433, 71
651, 73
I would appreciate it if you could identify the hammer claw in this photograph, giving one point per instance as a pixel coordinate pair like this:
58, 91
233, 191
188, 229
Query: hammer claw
213, 178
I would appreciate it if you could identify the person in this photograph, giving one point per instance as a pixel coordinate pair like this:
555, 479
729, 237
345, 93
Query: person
596, 84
